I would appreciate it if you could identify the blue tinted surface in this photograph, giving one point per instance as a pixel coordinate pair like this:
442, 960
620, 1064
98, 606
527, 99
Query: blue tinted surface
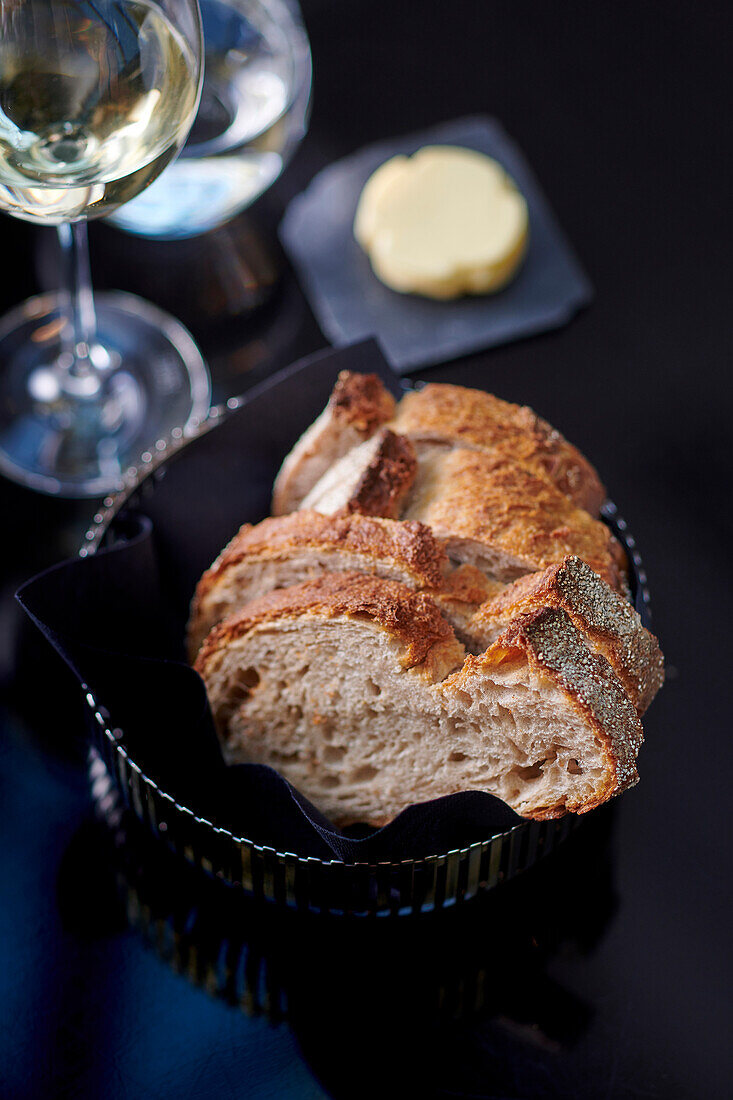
84, 1000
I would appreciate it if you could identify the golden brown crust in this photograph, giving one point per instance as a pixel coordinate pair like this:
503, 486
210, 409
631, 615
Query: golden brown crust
412, 546
483, 498
552, 646
362, 401
471, 418
350, 543
409, 617
386, 481
598, 612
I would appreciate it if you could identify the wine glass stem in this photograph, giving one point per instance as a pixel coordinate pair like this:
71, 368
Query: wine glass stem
80, 369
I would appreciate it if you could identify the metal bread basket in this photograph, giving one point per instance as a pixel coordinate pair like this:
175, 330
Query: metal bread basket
407, 886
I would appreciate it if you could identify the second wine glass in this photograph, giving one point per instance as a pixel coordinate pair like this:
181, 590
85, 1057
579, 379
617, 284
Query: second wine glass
96, 98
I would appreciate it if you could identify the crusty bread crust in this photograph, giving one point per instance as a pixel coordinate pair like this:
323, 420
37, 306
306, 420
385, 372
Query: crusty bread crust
386, 481
358, 406
460, 417
361, 401
411, 618
472, 498
342, 543
411, 545
286, 550
606, 620
467, 585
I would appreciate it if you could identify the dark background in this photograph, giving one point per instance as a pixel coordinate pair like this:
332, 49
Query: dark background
607, 972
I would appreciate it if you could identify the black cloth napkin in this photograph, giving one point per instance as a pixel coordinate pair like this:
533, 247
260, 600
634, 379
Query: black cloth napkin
351, 303
117, 618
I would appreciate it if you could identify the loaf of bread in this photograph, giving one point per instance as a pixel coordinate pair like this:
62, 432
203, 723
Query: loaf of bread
286, 551
432, 608
441, 415
358, 692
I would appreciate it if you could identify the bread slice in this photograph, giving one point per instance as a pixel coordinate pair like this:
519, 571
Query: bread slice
357, 691
608, 623
506, 519
358, 406
287, 550
496, 514
453, 416
373, 479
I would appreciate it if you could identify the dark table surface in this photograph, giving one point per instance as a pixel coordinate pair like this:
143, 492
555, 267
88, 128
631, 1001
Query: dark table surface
607, 971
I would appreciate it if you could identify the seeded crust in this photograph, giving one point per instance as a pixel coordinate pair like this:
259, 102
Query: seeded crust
551, 644
481, 504
411, 618
358, 406
606, 620
342, 543
468, 418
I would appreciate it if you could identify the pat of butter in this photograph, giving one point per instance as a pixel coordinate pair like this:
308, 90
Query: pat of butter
444, 222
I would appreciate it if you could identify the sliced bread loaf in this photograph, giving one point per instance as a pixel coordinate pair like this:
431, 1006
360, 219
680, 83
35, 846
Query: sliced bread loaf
287, 550
357, 691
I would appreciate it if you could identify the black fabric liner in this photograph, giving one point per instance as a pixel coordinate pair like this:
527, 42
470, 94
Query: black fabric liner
117, 618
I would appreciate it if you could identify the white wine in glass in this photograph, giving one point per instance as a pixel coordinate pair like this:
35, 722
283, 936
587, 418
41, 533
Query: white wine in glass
96, 98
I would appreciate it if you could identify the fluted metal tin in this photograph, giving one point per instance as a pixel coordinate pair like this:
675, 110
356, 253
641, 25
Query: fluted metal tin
276, 963
407, 886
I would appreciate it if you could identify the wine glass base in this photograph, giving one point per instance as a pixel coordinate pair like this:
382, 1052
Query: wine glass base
76, 437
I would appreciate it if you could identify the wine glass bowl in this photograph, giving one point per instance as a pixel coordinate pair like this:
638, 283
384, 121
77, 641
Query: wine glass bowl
96, 98
91, 109
252, 115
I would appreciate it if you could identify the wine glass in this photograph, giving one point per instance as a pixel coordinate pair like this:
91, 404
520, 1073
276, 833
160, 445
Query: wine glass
96, 98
